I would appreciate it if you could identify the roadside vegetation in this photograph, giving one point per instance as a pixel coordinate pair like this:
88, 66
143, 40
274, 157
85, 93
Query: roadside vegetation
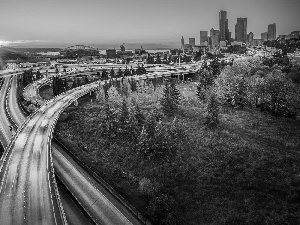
223, 150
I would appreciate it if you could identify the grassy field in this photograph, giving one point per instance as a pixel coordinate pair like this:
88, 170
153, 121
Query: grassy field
239, 173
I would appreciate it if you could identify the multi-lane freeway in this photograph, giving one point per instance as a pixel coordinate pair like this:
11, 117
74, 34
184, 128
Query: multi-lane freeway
73, 213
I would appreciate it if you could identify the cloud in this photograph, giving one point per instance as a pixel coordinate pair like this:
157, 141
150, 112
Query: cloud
17, 42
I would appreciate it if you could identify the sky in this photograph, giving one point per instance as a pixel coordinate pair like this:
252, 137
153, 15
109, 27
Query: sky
51, 23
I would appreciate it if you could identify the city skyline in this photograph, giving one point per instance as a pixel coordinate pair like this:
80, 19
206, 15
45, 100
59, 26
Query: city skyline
53, 23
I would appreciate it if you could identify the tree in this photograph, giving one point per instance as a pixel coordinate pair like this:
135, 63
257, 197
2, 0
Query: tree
158, 60
112, 73
66, 86
104, 74
74, 84
78, 82
212, 118
127, 72
170, 99
120, 73
86, 80
144, 71
139, 70
204, 83
38, 75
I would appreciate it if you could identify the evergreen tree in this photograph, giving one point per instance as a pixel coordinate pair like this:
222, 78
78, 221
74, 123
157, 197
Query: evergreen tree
127, 72
66, 86
158, 60
109, 125
133, 85
170, 99
212, 119
86, 80
139, 70
120, 73
204, 83
133, 72
112, 73
105, 89
144, 71
104, 74
78, 82
74, 84
38, 75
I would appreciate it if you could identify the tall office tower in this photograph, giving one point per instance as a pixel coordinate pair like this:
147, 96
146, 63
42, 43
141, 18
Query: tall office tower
264, 36
241, 30
203, 38
272, 31
229, 38
214, 37
250, 37
192, 41
223, 25
182, 42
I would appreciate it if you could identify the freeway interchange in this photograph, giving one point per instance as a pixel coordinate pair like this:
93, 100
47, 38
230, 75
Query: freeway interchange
29, 193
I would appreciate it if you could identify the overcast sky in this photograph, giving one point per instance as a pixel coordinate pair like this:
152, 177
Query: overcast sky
44, 22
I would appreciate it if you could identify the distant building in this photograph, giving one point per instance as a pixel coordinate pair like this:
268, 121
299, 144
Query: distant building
175, 51
272, 31
264, 36
257, 42
203, 38
229, 38
122, 47
241, 30
182, 42
237, 43
192, 41
223, 44
250, 37
214, 37
111, 53
215, 40
223, 26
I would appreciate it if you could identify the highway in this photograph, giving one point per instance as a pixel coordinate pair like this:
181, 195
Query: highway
28, 193
73, 213
5, 133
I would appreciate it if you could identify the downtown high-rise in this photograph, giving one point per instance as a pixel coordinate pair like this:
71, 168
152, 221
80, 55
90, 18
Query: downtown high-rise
241, 30
223, 26
272, 31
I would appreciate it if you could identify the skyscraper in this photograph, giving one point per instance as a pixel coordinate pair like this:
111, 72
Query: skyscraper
264, 36
182, 42
241, 30
272, 31
250, 37
223, 25
192, 41
214, 37
203, 38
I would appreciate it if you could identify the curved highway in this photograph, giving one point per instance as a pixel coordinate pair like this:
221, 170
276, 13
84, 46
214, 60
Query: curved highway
28, 192
5, 133
73, 213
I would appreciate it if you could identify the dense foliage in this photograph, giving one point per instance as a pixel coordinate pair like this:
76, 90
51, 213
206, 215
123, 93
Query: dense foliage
250, 83
178, 172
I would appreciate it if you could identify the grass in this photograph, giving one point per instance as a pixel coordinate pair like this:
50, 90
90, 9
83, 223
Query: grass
237, 172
